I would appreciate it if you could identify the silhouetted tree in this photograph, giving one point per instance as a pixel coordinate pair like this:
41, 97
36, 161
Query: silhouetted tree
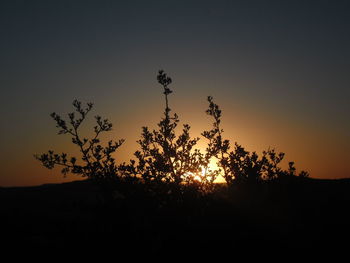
96, 161
165, 158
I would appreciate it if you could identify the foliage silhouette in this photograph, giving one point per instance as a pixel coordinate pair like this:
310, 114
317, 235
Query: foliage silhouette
165, 161
97, 161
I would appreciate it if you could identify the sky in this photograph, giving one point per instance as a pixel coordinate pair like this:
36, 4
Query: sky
279, 70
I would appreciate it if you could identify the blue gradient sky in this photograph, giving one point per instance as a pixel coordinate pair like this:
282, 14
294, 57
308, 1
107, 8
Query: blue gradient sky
278, 69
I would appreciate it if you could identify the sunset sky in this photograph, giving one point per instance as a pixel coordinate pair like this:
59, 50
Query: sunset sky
280, 71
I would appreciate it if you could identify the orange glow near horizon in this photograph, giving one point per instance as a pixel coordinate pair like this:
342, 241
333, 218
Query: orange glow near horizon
302, 143
30, 172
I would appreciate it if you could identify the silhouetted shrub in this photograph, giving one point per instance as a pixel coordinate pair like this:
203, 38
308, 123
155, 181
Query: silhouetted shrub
166, 162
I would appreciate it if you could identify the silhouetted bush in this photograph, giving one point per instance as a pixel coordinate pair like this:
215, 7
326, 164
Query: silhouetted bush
165, 162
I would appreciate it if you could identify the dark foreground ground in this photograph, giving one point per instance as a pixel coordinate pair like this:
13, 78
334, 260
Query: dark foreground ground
307, 215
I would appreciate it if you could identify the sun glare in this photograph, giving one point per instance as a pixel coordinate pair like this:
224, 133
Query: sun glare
206, 172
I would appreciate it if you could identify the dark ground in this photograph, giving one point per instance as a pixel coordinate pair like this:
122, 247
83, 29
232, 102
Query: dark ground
303, 215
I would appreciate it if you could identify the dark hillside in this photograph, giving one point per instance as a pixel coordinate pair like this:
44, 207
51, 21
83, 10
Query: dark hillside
300, 215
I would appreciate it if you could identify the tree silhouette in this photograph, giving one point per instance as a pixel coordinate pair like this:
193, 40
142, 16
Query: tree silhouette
96, 161
165, 159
